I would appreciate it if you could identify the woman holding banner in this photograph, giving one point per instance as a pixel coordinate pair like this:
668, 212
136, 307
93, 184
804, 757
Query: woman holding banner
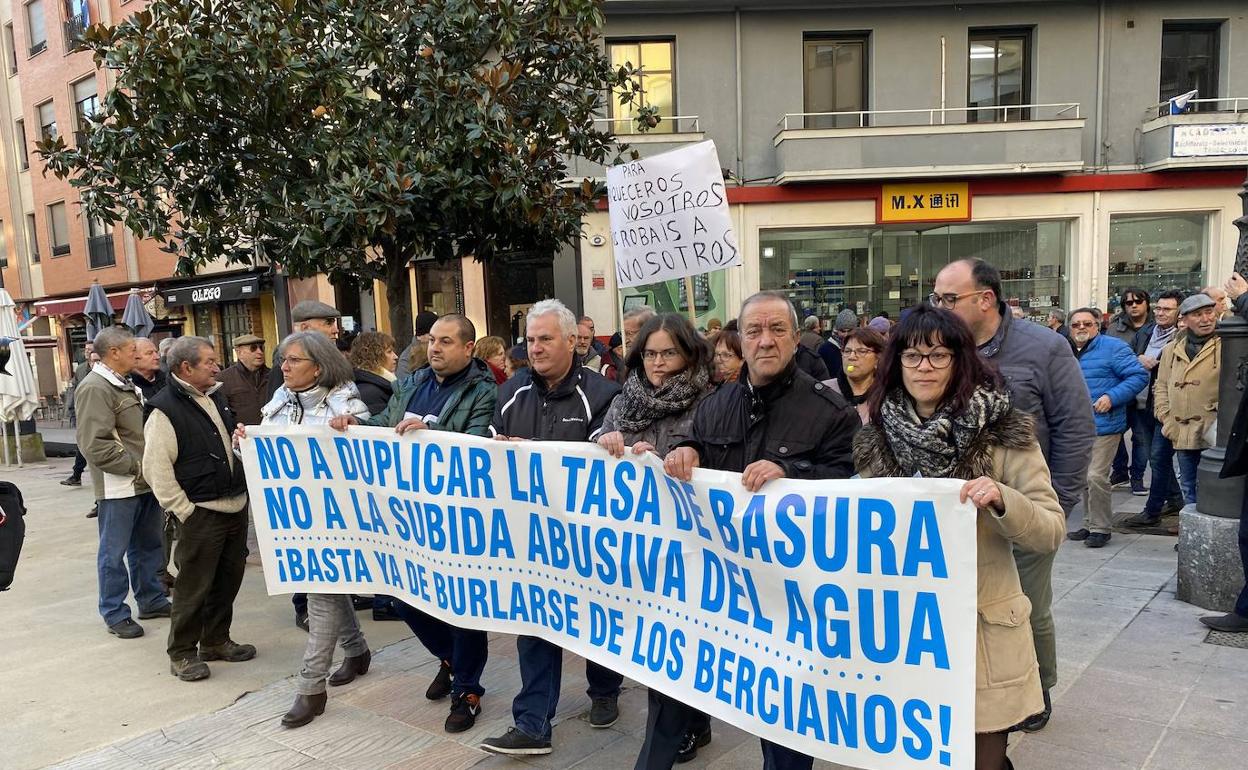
938, 410
669, 373
317, 386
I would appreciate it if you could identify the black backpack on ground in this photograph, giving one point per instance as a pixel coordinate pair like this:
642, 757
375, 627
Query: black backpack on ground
12, 531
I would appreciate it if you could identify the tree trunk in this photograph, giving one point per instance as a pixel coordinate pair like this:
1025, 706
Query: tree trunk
398, 296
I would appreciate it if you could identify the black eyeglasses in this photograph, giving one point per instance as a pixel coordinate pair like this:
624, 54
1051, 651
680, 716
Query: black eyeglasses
1130, 302
938, 359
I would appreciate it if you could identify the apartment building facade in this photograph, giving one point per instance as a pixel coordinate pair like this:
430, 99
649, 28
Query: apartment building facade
873, 142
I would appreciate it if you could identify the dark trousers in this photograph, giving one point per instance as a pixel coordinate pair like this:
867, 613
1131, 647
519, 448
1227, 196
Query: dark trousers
777, 757
1140, 447
1164, 487
80, 465
466, 650
1241, 604
167, 536
667, 721
301, 603
541, 675
212, 554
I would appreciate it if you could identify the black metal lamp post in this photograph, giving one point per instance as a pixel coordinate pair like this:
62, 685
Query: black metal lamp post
1207, 543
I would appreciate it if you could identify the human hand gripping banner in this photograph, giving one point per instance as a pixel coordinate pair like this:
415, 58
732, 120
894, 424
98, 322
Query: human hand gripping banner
834, 617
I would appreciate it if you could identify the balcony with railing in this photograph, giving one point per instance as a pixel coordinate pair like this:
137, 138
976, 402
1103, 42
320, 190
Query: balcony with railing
100, 251
1208, 132
939, 141
75, 28
670, 133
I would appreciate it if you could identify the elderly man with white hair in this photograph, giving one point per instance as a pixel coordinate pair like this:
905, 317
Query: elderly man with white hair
551, 400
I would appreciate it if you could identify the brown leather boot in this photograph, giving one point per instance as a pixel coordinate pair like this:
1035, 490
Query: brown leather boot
352, 666
306, 708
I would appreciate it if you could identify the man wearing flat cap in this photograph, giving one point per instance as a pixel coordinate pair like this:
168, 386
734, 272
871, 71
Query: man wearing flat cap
1186, 395
243, 384
307, 316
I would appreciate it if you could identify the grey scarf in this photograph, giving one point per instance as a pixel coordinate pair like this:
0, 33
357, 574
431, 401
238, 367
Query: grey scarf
640, 403
934, 446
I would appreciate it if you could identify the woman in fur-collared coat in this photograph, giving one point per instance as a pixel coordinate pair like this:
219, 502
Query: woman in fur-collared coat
938, 410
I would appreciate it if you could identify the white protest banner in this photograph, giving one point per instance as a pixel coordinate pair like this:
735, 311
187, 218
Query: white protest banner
835, 617
669, 216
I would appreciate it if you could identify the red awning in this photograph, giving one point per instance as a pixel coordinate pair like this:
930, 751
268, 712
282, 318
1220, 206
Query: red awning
75, 305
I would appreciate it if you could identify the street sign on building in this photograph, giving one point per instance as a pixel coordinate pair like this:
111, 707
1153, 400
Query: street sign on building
924, 202
1204, 141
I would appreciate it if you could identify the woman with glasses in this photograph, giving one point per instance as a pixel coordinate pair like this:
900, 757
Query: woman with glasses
727, 358
669, 373
940, 411
317, 386
861, 354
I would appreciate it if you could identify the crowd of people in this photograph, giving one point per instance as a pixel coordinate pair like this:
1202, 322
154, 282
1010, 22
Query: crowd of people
1031, 418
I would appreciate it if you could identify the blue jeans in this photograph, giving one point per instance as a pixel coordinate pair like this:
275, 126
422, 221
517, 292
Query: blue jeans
1188, 460
466, 650
1241, 604
130, 536
1164, 487
1142, 426
541, 675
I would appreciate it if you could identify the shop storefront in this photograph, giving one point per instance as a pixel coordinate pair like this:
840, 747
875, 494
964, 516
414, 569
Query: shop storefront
892, 268
223, 307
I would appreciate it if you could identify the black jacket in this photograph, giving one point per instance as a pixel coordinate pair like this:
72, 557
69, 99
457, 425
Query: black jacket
149, 387
572, 411
375, 390
202, 469
796, 422
1236, 463
811, 363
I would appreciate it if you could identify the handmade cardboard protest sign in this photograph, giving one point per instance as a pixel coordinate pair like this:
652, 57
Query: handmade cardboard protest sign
835, 617
669, 216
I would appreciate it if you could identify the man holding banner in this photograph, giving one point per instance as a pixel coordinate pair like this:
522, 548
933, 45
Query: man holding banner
553, 400
775, 422
456, 393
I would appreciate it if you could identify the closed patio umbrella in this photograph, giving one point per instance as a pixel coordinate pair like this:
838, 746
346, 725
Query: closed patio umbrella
18, 396
136, 316
98, 311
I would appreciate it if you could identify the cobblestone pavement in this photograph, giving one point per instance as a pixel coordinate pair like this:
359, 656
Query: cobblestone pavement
1139, 687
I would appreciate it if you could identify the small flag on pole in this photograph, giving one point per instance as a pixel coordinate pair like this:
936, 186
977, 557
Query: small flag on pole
1179, 103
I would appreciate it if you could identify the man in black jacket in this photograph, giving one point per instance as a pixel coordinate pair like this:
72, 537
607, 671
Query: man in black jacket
775, 422
554, 399
190, 464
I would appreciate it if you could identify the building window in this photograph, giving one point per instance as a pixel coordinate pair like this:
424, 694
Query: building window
867, 270
834, 79
998, 74
47, 120
35, 29
655, 61
32, 239
77, 19
235, 322
58, 229
86, 104
23, 153
99, 244
1189, 61
1156, 252
10, 49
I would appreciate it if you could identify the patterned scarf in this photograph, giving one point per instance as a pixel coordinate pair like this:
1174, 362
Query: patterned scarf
933, 447
640, 403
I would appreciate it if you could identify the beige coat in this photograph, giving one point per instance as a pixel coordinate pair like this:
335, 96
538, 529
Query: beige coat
1186, 394
1007, 677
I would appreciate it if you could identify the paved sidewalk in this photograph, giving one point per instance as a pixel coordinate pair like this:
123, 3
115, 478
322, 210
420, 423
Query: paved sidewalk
1139, 687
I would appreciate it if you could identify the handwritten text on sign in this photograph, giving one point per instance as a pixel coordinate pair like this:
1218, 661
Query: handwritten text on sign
836, 617
669, 216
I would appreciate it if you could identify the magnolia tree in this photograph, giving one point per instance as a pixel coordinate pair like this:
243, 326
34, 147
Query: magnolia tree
348, 138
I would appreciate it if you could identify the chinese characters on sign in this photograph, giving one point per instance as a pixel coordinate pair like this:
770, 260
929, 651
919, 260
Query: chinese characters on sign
934, 202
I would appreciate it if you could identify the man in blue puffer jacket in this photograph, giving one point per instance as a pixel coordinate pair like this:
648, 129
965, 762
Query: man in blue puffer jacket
1114, 376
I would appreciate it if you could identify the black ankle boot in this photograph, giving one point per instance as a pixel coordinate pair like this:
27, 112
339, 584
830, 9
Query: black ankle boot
352, 666
306, 708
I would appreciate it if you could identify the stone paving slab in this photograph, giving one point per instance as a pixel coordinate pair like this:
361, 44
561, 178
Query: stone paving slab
1139, 689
